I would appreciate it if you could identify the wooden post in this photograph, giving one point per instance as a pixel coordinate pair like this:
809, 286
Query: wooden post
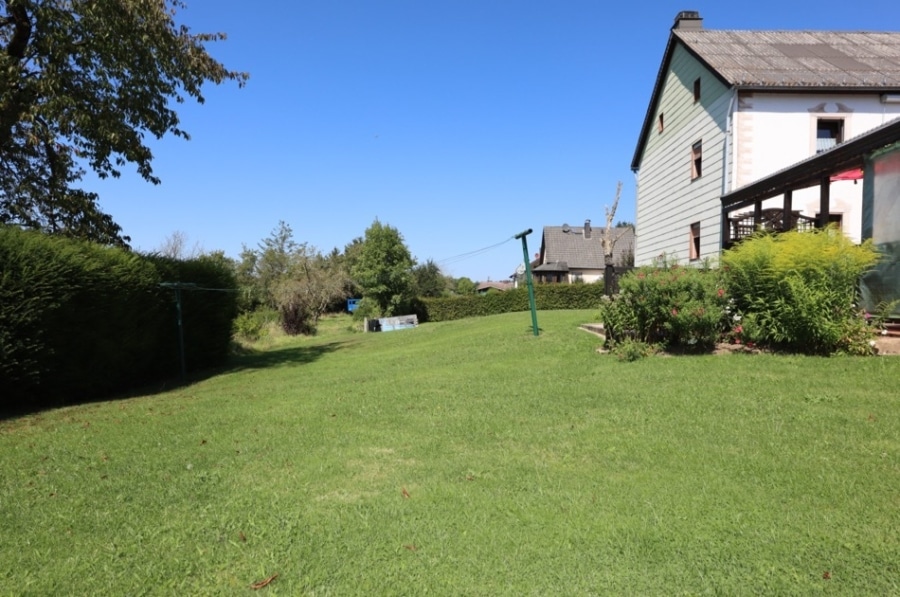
757, 215
725, 240
787, 218
824, 202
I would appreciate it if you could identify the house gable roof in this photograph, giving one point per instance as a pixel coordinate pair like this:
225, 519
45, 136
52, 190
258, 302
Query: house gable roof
851, 61
567, 246
828, 60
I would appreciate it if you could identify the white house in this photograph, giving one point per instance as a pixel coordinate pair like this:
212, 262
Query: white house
731, 107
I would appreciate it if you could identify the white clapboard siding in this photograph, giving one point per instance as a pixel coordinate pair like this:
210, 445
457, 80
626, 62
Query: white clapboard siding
668, 200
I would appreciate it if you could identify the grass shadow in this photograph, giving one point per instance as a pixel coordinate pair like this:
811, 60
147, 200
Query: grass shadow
245, 359
277, 357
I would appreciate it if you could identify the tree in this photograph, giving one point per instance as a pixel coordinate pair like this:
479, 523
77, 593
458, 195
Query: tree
304, 294
609, 241
383, 268
292, 278
82, 83
465, 286
428, 280
175, 247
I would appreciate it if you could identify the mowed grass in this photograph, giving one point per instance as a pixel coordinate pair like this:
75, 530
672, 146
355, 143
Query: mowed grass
466, 458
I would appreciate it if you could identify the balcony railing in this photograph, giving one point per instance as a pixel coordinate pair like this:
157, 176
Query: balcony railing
742, 225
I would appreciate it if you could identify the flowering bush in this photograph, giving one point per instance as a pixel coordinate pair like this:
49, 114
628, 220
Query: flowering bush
671, 305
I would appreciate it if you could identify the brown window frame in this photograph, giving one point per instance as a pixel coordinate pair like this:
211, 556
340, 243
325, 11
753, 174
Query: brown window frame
694, 244
697, 160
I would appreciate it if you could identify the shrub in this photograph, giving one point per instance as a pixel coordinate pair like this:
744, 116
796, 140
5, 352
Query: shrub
667, 304
79, 320
798, 290
630, 350
253, 326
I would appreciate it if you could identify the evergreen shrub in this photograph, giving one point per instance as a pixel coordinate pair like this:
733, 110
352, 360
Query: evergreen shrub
79, 320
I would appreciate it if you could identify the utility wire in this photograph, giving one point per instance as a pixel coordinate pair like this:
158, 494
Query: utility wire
470, 254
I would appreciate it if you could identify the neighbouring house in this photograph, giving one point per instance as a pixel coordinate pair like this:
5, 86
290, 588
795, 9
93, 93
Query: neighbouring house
730, 108
572, 254
485, 287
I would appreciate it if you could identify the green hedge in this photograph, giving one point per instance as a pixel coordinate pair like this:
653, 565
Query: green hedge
546, 297
79, 321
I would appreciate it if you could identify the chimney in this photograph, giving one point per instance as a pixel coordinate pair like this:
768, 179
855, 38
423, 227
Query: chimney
688, 20
587, 229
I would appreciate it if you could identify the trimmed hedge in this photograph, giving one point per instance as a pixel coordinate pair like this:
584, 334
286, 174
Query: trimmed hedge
79, 321
546, 297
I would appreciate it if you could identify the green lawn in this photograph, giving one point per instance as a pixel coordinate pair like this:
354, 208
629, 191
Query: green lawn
466, 458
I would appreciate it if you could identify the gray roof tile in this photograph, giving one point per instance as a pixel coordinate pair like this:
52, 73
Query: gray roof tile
583, 253
780, 59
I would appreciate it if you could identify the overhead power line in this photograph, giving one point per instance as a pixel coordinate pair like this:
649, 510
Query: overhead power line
471, 254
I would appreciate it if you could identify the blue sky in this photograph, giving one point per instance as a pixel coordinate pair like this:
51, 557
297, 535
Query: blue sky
458, 122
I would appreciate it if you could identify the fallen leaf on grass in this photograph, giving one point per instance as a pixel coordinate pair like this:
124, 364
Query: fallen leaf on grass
202, 442
404, 492
411, 547
263, 583
826, 575
242, 536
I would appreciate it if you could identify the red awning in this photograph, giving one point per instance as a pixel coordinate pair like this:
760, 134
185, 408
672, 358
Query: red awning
855, 174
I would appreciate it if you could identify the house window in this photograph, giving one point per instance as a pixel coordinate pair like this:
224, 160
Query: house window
576, 277
829, 132
694, 248
697, 90
697, 160
661, 124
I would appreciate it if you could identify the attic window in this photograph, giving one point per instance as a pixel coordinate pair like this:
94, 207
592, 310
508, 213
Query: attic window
661, 124
829, 133
697, 160
697, 90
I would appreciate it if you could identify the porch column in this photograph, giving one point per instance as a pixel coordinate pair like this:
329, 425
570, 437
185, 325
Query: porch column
725, 230
824, 202
787, 220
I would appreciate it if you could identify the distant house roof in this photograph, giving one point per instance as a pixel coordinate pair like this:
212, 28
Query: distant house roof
843, 61
566, 248
485, 286
553, 266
